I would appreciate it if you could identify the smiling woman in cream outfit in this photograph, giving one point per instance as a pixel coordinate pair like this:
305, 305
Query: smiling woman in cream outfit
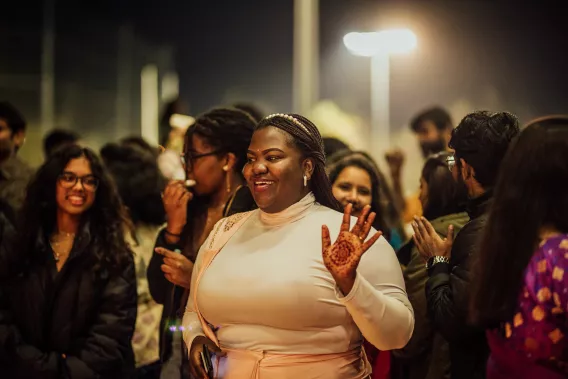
281, 293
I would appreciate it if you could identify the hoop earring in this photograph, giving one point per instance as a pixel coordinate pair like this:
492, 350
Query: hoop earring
305, 180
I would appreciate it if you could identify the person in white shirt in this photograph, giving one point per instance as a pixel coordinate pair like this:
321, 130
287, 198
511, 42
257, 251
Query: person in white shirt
270, 289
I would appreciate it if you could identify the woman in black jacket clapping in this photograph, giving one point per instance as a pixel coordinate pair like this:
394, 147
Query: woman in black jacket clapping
68, 308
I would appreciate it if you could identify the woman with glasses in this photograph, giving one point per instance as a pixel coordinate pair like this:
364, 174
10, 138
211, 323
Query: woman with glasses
443, 200
68, 309
214, 156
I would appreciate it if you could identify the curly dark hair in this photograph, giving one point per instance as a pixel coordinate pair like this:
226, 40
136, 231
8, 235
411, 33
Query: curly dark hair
481, 139
356, 159
106, 219
530, 193
139, 181
308, 141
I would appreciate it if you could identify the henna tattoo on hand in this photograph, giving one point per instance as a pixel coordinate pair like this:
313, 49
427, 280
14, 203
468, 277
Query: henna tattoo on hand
341, 253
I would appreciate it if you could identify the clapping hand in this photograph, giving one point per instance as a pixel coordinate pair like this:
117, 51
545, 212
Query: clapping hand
428, 242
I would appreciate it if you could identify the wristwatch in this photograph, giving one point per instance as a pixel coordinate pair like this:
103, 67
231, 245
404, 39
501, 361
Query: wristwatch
437, 259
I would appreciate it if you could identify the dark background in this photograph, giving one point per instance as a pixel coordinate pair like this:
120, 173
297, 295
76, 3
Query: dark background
505, 56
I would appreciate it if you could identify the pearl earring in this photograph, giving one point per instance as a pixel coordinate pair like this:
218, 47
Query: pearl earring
305, 180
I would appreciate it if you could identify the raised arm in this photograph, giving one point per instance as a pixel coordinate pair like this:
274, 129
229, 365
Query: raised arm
369, 281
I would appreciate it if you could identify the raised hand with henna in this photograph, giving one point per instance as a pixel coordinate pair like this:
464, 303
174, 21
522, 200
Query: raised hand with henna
342, 257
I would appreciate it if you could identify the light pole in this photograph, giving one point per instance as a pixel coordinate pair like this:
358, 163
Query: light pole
306, 55
379, 46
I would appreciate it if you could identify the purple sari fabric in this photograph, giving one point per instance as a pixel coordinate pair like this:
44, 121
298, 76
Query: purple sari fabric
534, 344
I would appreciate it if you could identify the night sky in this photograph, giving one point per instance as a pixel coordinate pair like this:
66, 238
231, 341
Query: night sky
506, 56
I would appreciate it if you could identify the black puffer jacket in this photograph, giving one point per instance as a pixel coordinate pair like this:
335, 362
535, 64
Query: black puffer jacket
447, 293
76, 323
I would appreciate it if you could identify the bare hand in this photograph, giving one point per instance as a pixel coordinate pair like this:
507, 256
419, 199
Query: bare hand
176, 268
395, 161
428, 242
175, 199
342, 258
195, 364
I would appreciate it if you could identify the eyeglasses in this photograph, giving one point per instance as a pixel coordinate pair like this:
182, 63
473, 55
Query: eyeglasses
69, 180
451, 161
190, 158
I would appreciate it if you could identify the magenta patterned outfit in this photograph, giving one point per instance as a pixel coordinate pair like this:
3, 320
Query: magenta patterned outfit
534, 343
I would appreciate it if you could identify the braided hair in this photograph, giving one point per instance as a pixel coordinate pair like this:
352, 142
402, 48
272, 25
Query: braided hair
228, 130
307, 139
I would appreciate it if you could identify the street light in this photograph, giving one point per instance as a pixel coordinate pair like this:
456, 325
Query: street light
380, 46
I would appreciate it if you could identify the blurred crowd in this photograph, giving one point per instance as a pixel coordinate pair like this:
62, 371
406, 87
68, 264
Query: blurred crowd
249, 246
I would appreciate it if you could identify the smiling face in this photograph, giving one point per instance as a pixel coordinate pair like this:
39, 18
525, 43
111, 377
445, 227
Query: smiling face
75, 188
275, 170
353, 186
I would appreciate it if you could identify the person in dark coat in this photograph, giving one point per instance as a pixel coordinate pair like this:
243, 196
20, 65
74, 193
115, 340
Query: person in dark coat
215, 151
426, 356
68, 306
480, 142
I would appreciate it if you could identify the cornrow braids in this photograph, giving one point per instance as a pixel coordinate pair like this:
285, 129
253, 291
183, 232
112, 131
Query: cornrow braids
307, 138
228, 130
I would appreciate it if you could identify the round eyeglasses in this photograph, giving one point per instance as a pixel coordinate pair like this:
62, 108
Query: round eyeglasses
69, 180
191, 157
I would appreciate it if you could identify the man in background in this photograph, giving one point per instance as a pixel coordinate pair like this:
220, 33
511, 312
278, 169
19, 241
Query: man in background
14, 173
433, 129
480, 143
